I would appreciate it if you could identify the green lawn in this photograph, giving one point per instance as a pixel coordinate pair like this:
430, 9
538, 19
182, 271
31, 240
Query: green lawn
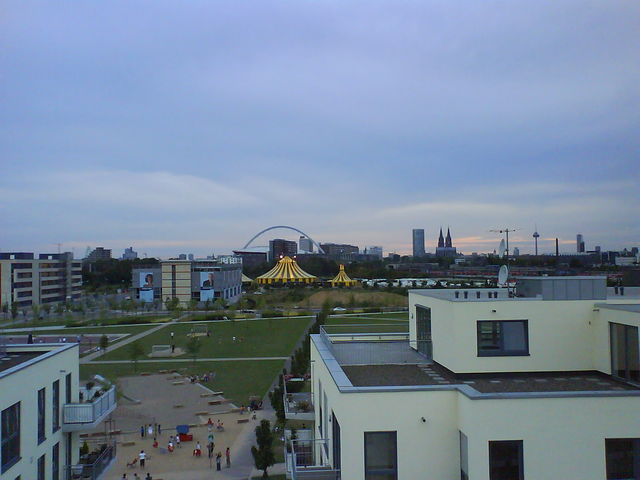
130, 329
368, 318
254, 338
238, 380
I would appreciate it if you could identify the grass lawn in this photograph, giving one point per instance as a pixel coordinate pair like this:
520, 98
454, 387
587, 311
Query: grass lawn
130, 329
281, 476
368, 318
254, 338
367, 322
60, 320
238, 380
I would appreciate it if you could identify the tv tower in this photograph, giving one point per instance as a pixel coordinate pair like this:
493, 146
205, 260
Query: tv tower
535, 239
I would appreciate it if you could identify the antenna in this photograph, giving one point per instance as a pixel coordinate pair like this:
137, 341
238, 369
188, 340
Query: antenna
504, 248
59, 245
503, 276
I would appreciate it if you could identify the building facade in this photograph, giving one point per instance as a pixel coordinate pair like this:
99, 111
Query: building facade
99, 253
42, 412
50, 278
186, 280
484, 386
339, 251
280, 247
418, 242
305, 245
129, 254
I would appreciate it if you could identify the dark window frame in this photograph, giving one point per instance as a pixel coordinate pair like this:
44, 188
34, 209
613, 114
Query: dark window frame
55, 462
625, 349
41, 414
42, 466
7, 440
501, 351
613, 468
381, 471
520, 445
55, 406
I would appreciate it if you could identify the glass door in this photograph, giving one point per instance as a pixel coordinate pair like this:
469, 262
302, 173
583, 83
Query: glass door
625, 352
423, 330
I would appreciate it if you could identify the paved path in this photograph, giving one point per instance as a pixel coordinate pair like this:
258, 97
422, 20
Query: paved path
186, 360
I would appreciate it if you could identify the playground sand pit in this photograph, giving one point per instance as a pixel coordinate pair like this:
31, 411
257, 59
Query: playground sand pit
164, 402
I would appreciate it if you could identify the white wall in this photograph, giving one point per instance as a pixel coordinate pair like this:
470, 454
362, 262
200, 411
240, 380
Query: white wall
22, 387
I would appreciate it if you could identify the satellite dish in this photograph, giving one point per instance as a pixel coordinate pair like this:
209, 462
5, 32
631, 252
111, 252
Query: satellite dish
503, 275
502, 248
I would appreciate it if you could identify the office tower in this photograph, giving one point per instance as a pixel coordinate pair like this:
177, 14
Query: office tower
418, 242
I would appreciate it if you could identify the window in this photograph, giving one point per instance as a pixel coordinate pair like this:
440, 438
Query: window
55, 406
464, 457
380, 456
623, 458
10, 435
55, 462
335, 438
41, 465
320, 408
41, 415
505, 460
625, 352
503, 338
67, 381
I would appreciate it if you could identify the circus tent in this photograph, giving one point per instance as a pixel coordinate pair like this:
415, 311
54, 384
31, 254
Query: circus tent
286, 271
342, 279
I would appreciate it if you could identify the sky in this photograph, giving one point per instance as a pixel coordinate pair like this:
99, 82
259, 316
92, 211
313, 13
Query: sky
178, 127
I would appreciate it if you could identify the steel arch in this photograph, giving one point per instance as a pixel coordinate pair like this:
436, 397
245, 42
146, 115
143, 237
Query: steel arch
285, 227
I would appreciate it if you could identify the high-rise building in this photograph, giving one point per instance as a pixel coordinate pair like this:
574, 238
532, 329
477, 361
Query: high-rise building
418, 242
280, 247
305, 245
99, 253
129, 254
338, 251
580, 243
374, 250
50, 278
516, 252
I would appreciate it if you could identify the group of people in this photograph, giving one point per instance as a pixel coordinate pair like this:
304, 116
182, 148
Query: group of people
149, 430
205, 377
137, 477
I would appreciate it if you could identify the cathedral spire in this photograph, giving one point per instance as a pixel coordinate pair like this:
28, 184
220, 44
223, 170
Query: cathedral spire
440, 239
448, 241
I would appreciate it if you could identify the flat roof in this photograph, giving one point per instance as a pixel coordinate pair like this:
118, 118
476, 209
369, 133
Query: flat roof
12, 359
429, 375
627, 307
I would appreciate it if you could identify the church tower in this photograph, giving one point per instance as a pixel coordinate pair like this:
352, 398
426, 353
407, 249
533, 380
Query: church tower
440, 239
448, 241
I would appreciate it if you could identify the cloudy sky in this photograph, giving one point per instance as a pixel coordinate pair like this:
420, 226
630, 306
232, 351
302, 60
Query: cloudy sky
188, 126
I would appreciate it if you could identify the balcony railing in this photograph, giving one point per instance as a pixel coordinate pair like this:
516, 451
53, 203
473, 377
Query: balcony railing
298, 406
96, 464
80, 416
309, 460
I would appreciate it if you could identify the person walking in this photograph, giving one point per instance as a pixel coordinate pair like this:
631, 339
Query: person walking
178, 441
142, 457
150, 430
227, 454
219, 461
142, 431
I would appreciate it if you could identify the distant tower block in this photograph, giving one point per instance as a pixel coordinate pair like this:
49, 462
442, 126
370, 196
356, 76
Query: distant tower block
536, 235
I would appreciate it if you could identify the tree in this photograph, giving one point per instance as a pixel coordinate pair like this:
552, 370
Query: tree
263, 456
104, 342
135, 352
193, 347
193, 304
14, 310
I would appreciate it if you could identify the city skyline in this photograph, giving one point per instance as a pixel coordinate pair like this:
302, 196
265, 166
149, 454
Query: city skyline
355, 125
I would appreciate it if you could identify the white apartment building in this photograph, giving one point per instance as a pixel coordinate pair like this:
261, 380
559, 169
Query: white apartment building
540, 384
42, 414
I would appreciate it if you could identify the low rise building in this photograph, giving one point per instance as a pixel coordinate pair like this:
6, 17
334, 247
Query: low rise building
43, 413
488, 384
188, 280
50, 278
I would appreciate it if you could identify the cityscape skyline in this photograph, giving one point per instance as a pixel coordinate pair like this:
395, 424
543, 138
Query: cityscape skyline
355, 134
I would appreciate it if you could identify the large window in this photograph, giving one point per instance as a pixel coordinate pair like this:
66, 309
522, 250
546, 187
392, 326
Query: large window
506, 460
41, 415
423, 330
67, 392
335, 437
380, 456
503, 338
41, 467
10, 435
625, 352
55, 406
623, 458
55, 462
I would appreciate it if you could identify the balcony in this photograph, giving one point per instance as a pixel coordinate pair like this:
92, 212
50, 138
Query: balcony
88, 415
309, 460
93, 465
298, 406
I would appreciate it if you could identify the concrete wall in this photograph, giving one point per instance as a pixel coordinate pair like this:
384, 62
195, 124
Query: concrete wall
22, 387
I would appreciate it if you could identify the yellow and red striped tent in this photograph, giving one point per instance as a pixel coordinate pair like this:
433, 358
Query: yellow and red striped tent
342, 279
286, 271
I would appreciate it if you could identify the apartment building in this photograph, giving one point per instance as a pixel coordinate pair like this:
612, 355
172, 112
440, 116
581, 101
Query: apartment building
42, 414
539, 383
49, 278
